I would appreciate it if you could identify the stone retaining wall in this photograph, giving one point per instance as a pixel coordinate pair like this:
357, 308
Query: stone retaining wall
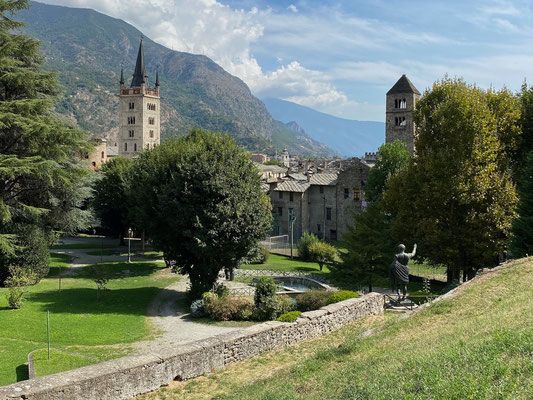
127, 377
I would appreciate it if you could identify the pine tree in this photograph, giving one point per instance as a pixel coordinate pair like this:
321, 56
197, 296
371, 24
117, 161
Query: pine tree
39, 152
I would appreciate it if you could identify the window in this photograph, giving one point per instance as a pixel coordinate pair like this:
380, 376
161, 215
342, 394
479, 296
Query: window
280, 211
131, 133
125, 147
134, 146
346, 193
356, 195
321, 189
151, 106
318, 227
280, 196
151, 120
328, 213
291, 196
291, 212
400, 121
132, 106
103, 155
403, 103
131, 120
151, 133
333, 234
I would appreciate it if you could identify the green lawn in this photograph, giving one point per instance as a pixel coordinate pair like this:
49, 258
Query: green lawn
92, 245
58, 362
476, 345
79, 323
285, 263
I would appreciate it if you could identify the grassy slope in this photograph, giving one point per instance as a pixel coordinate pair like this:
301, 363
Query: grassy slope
477, 345
79, 323
284, 263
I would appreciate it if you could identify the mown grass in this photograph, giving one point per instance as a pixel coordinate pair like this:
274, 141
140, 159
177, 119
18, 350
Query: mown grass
58, 362
78, 321
94, 245
476, 345
285, 263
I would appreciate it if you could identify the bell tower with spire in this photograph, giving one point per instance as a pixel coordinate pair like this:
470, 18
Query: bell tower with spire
139, 113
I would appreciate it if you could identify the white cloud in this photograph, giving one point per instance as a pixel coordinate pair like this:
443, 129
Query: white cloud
292, 8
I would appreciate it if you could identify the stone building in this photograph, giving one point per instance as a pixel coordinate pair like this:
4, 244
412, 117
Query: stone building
259, 158
323, 203
139, 111
400, 103
271, 172
98, 155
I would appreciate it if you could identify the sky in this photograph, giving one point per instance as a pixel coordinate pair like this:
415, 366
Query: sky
341, 57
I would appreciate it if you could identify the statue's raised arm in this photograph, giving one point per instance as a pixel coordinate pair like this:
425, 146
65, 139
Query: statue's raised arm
411, 255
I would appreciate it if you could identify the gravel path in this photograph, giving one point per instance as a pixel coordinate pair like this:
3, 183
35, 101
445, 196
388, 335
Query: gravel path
172, 324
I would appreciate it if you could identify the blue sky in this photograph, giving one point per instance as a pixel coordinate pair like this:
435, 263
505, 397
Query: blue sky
341, 57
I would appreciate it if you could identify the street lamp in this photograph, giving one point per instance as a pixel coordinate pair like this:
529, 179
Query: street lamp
292, 220
129, 245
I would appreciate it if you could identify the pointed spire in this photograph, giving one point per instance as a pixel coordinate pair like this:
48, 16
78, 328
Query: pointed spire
121, 76
157, 78
139, 75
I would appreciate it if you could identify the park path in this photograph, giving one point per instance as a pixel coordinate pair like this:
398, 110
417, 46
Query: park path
170, 320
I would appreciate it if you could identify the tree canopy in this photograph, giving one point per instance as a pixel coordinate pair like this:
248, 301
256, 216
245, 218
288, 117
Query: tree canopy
457, 198
199, 199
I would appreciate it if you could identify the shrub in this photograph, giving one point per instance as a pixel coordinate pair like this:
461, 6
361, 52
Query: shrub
257, 255
15, 296
273, 308
303, 246
197, 309
341, 296
265, 290
312, 299
322, 253
220, 289
229, 308
291, 316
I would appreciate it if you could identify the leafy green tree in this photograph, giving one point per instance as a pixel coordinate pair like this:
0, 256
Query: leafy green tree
526, 143
456, 198
369, 247
522, 242
322, 253
306, 240
391, 159
38, 151
199, 199
273, 161
111, 196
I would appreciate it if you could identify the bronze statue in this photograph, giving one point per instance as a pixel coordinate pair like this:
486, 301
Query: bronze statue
399, 271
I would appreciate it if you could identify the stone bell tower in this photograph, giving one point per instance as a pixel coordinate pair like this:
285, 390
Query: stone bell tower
139, 113
399, 125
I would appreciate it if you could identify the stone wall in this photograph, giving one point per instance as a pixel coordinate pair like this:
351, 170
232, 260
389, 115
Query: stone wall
127, 377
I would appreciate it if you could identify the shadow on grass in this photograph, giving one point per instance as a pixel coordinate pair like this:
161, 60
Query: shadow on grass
114, 270
130, 301
22, 372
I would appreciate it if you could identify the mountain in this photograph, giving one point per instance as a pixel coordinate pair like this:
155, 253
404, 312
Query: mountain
87, 49
348, 137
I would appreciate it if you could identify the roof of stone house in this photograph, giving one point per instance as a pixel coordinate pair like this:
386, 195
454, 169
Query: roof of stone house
297, 176
404, 85
273, 168
324, 179
265, 187
292, 186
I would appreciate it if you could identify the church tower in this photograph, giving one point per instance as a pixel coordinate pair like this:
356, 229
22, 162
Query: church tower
139, 111
401, 100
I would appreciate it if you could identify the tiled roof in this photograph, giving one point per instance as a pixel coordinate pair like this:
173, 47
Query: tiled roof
292, 186
297, 176
273, 168
265, 187
324, 179
403, 85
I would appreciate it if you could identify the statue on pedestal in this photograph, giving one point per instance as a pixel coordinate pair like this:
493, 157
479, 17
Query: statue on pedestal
399, 271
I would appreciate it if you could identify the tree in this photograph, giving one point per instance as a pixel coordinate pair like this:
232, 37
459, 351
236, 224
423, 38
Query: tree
456, 198
38, 151
199, 199
369, 247
522, 242
111, 196
322, 253
391, 159
273, 161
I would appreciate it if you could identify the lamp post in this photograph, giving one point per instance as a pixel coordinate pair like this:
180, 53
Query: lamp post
292, 220
129, 245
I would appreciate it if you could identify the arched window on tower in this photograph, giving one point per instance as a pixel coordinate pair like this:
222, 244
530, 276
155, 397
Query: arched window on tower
125, 147
134, 146
103, 156
403, 103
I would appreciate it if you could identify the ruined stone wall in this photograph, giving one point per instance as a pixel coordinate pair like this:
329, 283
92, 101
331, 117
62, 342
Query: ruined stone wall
127, 377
